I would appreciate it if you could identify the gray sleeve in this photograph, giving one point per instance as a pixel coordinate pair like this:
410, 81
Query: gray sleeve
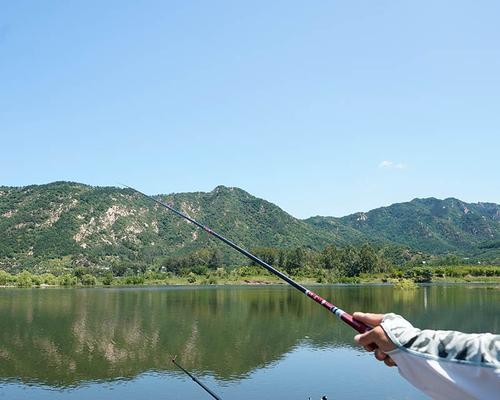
473, 348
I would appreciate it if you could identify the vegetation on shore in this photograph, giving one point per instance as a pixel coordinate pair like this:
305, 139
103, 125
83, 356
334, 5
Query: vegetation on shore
401, 278
69, 234
102, 227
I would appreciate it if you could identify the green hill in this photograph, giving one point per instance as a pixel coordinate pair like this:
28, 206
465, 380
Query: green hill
68, 219
65, 220
430, 225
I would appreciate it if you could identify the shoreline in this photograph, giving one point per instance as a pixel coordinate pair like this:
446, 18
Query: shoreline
179, 282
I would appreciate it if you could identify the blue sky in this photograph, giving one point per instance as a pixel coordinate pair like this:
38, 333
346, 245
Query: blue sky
322, 107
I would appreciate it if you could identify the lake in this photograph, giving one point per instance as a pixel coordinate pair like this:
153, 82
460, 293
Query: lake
262, 342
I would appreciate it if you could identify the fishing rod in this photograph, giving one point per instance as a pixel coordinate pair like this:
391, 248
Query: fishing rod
341, 314
206, 388
195, 379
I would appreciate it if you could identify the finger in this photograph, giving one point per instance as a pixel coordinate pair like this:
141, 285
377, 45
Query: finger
368, 318
370, 347
369, 337
380, 355
389, 362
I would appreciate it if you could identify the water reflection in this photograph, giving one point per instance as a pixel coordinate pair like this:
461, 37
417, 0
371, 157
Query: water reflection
62, 337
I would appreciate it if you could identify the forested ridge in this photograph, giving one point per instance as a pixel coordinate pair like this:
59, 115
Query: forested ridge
64, 225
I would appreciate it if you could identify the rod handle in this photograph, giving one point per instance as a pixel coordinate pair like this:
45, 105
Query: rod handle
358, 325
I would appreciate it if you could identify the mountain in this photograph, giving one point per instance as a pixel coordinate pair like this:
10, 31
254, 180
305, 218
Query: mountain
66, 219
430, 225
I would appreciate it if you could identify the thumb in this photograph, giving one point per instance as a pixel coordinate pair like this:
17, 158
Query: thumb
368, 318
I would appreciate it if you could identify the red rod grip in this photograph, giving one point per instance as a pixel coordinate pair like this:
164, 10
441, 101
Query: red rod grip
358, 325
346, 317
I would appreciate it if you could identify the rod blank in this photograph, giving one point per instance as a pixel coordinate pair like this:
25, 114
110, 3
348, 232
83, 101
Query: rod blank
196, 380
341, 314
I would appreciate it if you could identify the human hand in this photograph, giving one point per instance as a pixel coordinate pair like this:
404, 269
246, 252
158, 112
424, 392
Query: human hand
376, 339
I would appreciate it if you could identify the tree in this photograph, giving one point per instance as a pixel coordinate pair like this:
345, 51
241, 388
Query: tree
5, 277
119, 269
173, 265
281, 259
330, 258
422, 275
266, 254
79, 272
350, 261
67, 280
367, 259
108, 279
295, 261
24, 279
215, 260
88, 280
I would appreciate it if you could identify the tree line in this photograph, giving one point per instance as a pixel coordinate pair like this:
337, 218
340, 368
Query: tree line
330, 264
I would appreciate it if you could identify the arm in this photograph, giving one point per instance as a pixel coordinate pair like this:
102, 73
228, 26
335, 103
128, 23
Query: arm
443, 364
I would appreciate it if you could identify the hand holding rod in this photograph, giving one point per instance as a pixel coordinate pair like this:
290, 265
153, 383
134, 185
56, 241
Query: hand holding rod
341, 314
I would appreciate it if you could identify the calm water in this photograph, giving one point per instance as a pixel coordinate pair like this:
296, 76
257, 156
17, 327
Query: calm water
243, 342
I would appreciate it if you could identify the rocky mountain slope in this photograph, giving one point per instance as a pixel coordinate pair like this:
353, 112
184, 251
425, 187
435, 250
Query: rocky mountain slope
69, 219
431, 225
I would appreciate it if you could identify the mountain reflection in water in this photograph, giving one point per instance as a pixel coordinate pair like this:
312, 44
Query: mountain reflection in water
66, 337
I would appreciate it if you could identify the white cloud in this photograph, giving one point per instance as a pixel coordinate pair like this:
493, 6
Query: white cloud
385, 164
391, 165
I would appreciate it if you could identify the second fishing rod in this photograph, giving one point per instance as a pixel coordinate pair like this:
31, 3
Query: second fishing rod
341, 314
